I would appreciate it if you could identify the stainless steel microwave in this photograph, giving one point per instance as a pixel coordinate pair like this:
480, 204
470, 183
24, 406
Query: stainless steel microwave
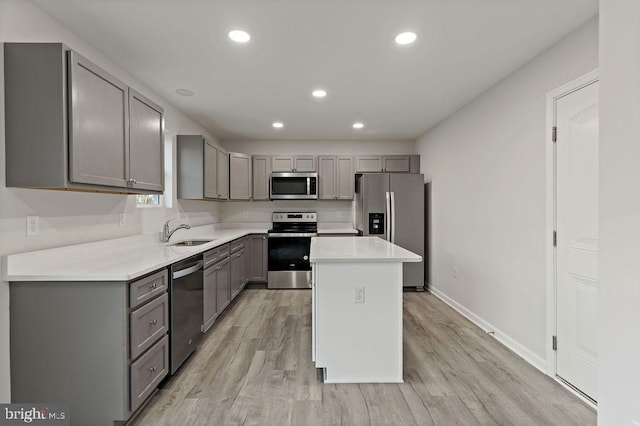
294, 186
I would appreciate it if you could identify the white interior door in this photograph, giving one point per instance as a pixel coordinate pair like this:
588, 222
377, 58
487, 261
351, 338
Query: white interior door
577, 239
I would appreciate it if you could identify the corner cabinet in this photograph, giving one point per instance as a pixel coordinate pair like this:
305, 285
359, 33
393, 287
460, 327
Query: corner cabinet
261, 175
203, 169
101, 348
239, 176
71, 125
336, 177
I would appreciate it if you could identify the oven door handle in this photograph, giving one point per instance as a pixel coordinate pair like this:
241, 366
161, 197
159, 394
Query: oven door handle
292, 234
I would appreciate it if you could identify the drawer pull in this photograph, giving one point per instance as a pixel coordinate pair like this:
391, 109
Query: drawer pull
153, 322
154, 285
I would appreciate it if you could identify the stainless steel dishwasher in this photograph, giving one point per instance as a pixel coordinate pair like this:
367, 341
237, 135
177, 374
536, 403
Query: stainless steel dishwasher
186, 309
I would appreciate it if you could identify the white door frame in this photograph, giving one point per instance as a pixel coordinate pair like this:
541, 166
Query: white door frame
550, 215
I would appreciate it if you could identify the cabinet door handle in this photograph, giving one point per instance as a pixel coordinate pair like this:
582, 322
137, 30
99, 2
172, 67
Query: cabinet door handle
152, 369
153, 322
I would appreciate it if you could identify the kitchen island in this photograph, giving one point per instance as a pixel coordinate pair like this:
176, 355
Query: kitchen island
357, 308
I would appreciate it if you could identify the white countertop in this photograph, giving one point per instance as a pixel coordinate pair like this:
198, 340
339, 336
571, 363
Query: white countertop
358, 249
120, 259
336, 228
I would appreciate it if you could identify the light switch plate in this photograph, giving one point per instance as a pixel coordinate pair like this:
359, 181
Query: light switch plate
358, 295
123, 219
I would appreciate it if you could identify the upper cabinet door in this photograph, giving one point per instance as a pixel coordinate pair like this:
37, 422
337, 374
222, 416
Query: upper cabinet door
368, 163
327, 177
240, 176
282, 163
223, 175
396, 163
210, 171
146, 168
261, 175
304, 163
345, 178
98, 136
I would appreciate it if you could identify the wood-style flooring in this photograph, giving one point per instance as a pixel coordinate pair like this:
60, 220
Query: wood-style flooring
254, 368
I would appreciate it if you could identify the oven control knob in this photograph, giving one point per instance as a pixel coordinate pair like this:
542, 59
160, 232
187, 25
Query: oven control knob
305, 257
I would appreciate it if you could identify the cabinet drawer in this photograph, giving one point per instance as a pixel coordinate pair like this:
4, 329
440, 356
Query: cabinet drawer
216, 255
237, 245
147, 288
148, 324
147, 372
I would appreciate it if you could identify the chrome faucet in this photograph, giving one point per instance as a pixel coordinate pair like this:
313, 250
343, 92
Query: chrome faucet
167, 233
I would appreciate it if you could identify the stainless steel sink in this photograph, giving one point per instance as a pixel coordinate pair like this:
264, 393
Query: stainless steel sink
191, 242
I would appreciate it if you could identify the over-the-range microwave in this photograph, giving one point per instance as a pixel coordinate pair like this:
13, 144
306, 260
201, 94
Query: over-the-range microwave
294, 186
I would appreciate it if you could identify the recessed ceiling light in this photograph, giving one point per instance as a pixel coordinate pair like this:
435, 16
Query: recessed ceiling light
239, 36
406, 37
185, 92
358, 125
319, 93
278, 124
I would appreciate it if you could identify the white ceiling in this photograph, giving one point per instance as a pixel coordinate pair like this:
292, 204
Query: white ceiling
344, 46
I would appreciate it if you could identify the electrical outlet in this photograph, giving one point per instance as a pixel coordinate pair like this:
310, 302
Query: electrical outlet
455, 272
358, 295
123, 219
33, 225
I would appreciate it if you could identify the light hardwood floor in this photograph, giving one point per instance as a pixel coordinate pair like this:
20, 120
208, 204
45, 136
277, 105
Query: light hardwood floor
254, 368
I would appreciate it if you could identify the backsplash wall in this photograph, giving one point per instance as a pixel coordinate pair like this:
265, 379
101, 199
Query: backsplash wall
260, 211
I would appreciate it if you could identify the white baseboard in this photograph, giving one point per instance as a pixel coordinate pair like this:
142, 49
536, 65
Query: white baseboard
523, 352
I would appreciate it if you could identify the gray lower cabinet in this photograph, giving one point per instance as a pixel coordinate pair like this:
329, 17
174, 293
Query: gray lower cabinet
261, 177
257, 258
98, 348
216, 294
237, 266
71, 125
239, 176
203, 169
336, 177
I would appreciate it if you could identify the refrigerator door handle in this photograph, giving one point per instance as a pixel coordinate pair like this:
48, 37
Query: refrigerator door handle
387, 216
393, 217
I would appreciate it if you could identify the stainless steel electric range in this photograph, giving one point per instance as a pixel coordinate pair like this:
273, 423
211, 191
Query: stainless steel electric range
289, 244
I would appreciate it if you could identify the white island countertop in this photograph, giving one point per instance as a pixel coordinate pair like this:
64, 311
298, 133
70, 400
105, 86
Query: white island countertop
358, 249
120, 259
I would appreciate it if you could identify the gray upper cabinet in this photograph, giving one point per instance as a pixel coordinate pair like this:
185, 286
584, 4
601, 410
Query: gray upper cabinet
261, 174
336, 177
97, 153
388, 163
68, 125
146, 144
240, 176
203, 169
223, 174
293, 163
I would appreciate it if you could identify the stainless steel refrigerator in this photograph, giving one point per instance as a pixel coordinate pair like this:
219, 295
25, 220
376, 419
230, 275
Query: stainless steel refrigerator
391, 206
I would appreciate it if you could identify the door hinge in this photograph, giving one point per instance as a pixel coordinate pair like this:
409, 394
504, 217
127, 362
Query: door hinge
554, 343
555, 238
554, 134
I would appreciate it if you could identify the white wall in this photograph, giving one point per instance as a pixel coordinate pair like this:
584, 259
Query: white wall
619, 269
68, 217
320, 147
486, 165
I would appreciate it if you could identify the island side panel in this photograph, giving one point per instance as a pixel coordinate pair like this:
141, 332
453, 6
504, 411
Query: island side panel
359, 342
69, 346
